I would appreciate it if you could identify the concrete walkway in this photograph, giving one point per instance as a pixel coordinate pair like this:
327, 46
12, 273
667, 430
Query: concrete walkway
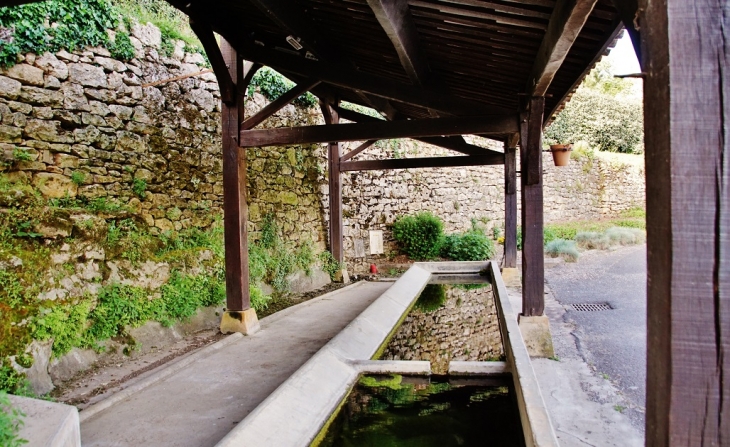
200, 404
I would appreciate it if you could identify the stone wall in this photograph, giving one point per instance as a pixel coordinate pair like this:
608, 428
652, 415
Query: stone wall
465, 327
87, 117
92, 129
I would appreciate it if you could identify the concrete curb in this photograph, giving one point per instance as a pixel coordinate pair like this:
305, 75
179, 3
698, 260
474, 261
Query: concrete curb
48, 423
463, 368
163, 373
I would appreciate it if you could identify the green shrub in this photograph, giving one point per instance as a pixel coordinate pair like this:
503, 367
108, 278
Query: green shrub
561, 247
20, 154
605, 122
65, 324
139, 187
470, 246
78, 177
121, 48
329, 264
11, 420
420, 236
432, 298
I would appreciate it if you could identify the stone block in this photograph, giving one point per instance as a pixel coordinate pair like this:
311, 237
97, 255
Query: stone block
48, 423
87, 75
148, 35
54, 185
9, 88
244, 322
26, 74
536, 333
50, 64
511, 277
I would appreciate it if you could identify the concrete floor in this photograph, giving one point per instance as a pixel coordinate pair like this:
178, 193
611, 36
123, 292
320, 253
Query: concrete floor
200, 404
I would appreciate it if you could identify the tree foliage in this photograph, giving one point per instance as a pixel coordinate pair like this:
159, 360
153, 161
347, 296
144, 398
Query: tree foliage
602, 112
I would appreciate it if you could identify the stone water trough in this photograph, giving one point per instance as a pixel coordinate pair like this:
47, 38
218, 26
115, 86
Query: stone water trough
296, 412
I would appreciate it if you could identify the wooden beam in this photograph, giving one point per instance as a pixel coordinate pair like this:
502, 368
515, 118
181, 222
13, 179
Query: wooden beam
380, 130
357, 150
342, 75
510, 206
687, 150
533, 261
278, 104
629, 12
216, 58
395, 18
565, 24
235, 208
453, 143
335, 184
426, 162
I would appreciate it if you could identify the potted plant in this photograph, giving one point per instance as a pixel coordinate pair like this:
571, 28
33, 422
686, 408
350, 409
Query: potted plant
561, 153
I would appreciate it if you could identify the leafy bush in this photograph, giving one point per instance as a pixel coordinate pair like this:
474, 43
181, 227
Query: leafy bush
420, 236
470, 246
561, 247
606, 122
329, 264
272, 85
51, 26
65, 324
121, 48
11, 420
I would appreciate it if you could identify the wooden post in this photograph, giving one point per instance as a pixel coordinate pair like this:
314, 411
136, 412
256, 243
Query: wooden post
239, 316
533, 262
510, 206
335, 185
687, 150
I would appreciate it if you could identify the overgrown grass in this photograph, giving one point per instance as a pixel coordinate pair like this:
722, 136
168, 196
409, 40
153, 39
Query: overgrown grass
566, 249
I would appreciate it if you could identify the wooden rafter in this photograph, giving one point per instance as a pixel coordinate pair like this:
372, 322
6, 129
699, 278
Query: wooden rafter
278, 104
566, 22
453, 143
357, 150
220, 67
395, 18
425, 162
343, 76
383, 130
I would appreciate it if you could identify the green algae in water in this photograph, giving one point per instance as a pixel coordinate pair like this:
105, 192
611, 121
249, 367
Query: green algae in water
388, 411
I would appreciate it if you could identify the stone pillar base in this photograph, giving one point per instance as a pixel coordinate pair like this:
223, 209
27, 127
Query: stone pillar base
342, 276
244, 322
511, 277
536, 333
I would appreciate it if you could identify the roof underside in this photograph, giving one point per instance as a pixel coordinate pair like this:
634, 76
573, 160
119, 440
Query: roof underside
476, 51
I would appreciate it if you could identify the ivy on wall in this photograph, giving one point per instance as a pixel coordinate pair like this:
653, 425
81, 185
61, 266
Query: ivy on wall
54, 25
272, 85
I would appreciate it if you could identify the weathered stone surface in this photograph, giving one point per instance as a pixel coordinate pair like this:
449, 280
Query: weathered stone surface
74, 98
110, 64
50, 64
203, 98
37, 374
40, 96
54, 185
121, 112
10, 134
9, 88
86, 75
148, 35
26, 74
47, 131
128, 141
66, 367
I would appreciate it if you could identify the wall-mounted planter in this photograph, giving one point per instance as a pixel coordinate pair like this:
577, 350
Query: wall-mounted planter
561, 153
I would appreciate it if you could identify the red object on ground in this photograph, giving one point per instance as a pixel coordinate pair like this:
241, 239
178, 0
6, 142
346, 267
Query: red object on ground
373, 269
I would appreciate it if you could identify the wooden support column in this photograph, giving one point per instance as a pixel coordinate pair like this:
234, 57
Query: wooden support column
533, 262
510, 205
687, 150
334, 153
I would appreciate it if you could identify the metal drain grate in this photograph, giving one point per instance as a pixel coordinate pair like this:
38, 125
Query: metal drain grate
591, 307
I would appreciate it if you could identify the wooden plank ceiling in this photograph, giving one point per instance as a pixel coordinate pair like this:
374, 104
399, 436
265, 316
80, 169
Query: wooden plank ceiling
413, 58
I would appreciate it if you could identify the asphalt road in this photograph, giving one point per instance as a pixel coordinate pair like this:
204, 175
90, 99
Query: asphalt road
612, 342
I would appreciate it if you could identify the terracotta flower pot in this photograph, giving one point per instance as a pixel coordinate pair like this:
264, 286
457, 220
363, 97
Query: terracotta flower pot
561, 153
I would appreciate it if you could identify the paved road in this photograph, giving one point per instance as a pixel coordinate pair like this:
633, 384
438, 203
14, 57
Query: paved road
613, 342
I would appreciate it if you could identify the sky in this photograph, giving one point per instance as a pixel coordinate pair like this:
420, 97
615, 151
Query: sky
622, 57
